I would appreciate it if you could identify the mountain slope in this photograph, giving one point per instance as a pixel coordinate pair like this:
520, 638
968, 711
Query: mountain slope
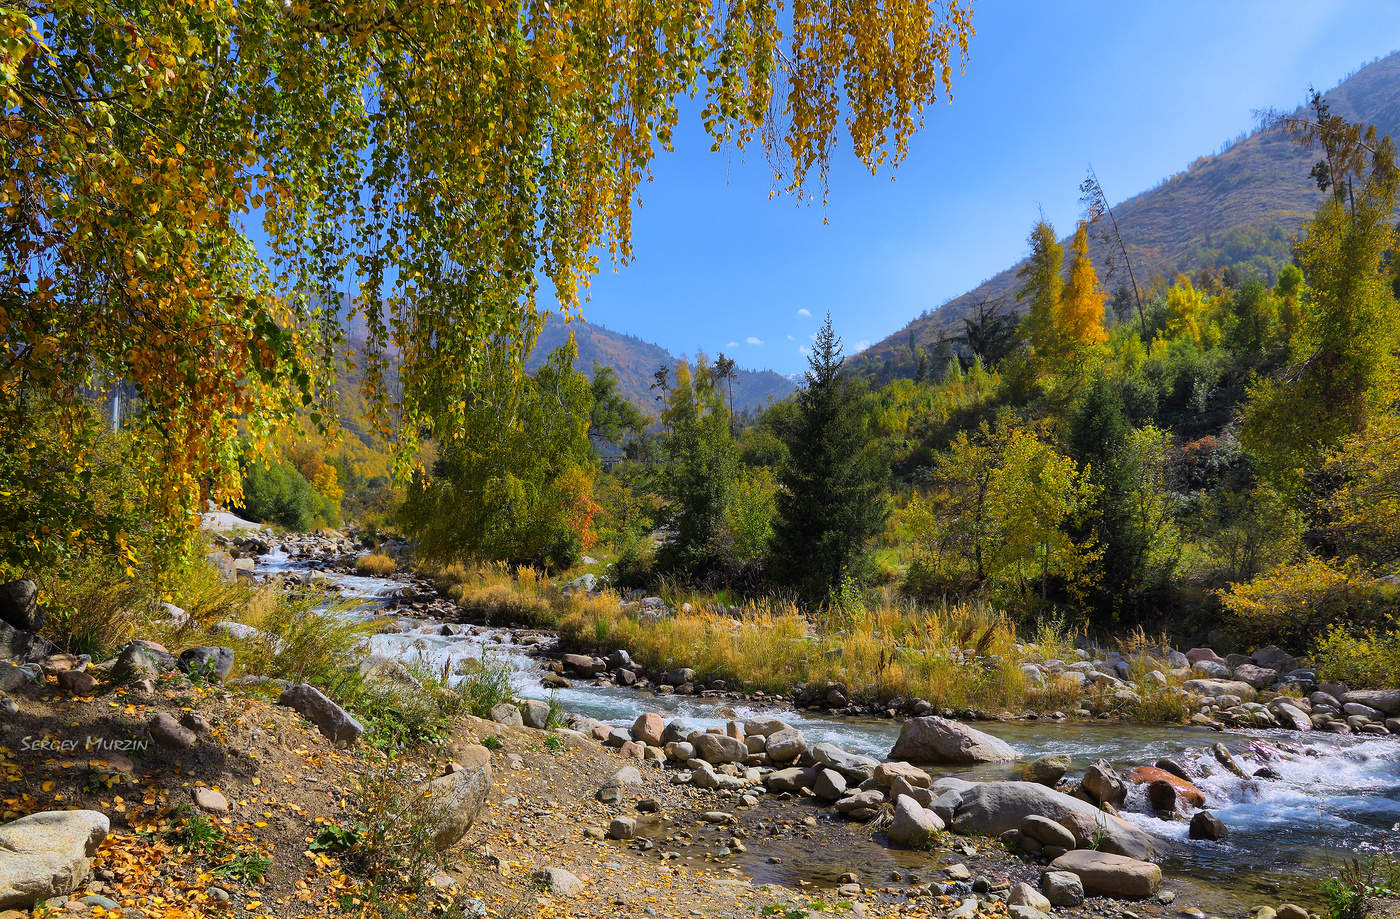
1241, 206
634, 361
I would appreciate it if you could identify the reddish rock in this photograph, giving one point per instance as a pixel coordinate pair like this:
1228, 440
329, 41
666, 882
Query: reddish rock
1185, 791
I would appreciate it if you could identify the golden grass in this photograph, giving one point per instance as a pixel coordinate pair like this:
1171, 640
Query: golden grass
955, 656
375, 565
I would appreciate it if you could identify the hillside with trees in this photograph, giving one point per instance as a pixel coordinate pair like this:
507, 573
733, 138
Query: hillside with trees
1237, 209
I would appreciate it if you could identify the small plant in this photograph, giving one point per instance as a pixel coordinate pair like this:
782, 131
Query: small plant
556, 713
192, 831
244, 868
553, 743
333, 840
491, 742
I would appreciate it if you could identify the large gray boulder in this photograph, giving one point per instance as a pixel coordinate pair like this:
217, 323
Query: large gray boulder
1106, 875
141, 660
24, 647
766, 726
212, 662
1385, 700
19, 605
47, 854
719, 749
455, 800
330, 719
1213, 689
932, 739
914, 825
853, 766
783, 745
791, 780
992, 808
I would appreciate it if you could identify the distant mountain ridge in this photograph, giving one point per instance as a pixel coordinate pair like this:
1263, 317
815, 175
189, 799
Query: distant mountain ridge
635, 361
1240, 206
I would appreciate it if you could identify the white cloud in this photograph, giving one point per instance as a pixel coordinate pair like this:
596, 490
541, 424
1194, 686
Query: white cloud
754, 340
804, 312
790, 338
732, 344
862, 344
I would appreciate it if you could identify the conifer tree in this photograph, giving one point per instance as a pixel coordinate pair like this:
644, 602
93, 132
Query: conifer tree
832, 499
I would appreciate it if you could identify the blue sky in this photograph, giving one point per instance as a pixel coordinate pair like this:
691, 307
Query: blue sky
1139, 89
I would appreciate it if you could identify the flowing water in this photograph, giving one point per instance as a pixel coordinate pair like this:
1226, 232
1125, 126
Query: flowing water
1337, 797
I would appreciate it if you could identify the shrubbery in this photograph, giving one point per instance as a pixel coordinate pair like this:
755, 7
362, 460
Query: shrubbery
275, 491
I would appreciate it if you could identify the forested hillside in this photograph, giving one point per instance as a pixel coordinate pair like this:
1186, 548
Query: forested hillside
1239, 208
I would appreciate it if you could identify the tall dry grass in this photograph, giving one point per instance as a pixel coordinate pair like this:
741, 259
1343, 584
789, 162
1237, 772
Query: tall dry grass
886, 647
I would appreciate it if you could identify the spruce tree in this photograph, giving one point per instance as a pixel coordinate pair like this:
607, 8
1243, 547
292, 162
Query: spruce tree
832, 499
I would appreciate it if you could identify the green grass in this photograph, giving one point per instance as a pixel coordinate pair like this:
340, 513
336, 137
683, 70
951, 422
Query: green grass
245, 868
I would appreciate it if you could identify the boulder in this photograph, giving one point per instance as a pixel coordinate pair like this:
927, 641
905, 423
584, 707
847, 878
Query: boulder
76, 682
557, 881
932, 739
167, 732
1062, 888
791, 780
648, 728
1214, 689
1047, 832
211, 662
1104, 785
1205, 825
913, 826
885, 773
853, 766
505, 713
1048, 770
992, 808
330, 719
1211, 669
19, 605
611, 790
1187, 792
1383, 700
783, 745
1026, 895
678, 677
829, 785
14, 677
898, 786
1107, 875
207, 799
766, 726
455, 801
535, 713
140, 660
1256, 676
622, 828
48, 854
720, 748
676, 731
25, 647
1195, 655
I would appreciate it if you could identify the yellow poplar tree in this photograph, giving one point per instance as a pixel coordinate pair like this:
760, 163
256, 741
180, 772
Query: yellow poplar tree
1080, 318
